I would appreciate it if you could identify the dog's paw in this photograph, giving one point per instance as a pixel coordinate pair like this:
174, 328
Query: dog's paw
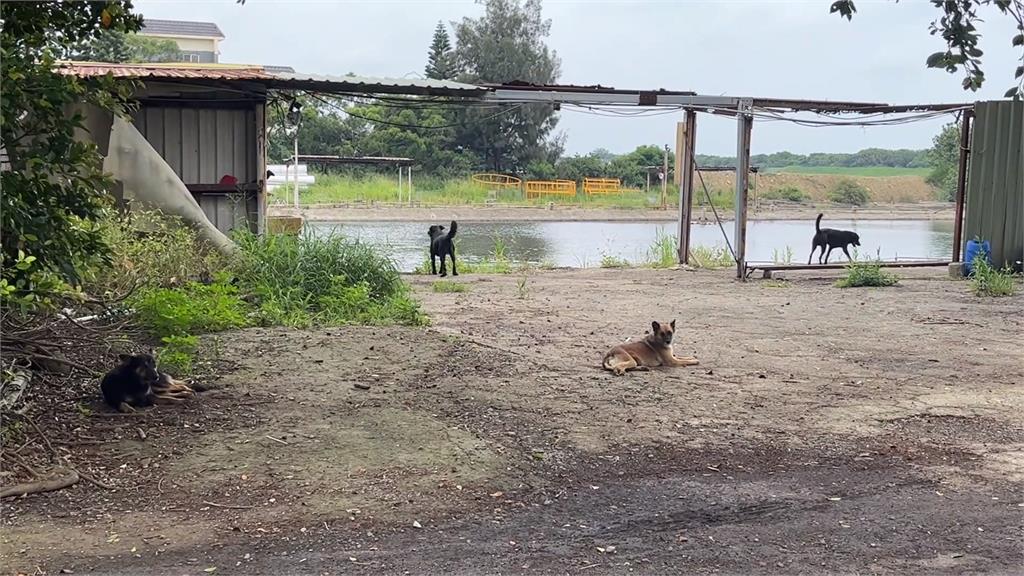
455, 273
443, 275
642, 368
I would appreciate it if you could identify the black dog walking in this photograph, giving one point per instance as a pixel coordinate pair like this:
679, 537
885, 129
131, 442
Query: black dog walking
832, 239
442, 245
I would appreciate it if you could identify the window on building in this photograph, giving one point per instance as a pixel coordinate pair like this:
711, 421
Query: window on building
190, 57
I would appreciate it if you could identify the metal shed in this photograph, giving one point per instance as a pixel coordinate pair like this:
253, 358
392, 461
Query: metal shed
995, 180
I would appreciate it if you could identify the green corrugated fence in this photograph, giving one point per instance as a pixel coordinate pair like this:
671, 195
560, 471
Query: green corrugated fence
995, 180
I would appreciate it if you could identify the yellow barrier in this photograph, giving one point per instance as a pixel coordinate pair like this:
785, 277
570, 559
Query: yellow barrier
535, 188
601, 186
497, 180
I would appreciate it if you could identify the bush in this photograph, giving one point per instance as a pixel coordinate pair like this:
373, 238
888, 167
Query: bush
849, 192
989, 281
150, 249
788, 193
866, 274
192, 309
309, 280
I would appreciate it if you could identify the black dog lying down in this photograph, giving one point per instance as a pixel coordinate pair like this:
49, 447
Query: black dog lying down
136, 382
442, 245
831, 239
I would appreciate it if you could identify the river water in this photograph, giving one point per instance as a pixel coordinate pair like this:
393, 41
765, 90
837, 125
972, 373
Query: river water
584, 244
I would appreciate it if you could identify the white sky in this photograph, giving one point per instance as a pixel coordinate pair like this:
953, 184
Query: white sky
792, 49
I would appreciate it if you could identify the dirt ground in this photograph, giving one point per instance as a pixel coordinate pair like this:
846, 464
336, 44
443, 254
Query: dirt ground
554, 213
826, 431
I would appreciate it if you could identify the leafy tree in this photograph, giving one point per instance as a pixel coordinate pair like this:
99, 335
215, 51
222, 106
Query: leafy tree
117, 46
324, 129
507, 44
957, 28
944, 160
54, 189
441, 59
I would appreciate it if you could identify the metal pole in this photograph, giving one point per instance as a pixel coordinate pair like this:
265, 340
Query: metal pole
744, 122
664, 180
399, 183
295, 167
961, 183
685, 172
409, 174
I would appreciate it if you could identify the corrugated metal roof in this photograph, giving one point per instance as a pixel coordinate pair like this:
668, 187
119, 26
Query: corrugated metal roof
181, 28
995, 180
170, 71
426, 87
272, 79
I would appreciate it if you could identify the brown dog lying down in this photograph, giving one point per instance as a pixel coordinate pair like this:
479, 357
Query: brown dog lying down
654, 350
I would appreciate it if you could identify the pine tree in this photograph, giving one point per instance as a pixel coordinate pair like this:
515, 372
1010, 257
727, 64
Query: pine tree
440, 61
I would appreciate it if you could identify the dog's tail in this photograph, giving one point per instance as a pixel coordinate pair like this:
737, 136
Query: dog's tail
604, 361
453, 229
817, 223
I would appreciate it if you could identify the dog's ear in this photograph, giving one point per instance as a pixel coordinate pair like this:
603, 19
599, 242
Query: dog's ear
656, 326
672, 324
124, 357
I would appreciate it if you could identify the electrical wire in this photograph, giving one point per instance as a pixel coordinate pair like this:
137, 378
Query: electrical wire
410, 126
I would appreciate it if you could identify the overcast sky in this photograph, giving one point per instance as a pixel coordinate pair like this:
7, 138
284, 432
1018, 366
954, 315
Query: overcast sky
788, 49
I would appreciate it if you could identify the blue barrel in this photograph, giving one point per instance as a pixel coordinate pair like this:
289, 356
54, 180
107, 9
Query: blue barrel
974, 249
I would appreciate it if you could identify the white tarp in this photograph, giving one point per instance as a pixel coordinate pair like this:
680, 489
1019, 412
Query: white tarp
150, 181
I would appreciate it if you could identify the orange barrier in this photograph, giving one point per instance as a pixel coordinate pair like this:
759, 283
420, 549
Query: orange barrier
536, 188
497, 180
601, 186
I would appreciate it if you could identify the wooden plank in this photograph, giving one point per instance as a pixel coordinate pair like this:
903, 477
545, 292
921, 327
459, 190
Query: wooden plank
189, 146
260, 138
840, 265
685, 170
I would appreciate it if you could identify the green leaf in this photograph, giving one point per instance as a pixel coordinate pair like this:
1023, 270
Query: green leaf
936, 60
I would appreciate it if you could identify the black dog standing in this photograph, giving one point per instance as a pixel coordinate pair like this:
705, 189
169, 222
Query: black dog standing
831, 239
442, 245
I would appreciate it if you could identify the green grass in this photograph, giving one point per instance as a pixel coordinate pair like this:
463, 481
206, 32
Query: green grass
336, 189
866, 273
609, 261
497, 262
714, 257
989, 281
310, 280
663, 252
448, 287
879, 171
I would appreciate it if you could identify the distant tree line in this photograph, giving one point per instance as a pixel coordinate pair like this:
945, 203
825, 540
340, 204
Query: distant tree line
901, 158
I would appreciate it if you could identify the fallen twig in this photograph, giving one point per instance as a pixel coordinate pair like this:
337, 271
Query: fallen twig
278, 440
229, 506
40, 486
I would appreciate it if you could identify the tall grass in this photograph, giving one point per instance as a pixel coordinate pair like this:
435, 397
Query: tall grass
313, 280
714, 257
663, 252
987, 280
